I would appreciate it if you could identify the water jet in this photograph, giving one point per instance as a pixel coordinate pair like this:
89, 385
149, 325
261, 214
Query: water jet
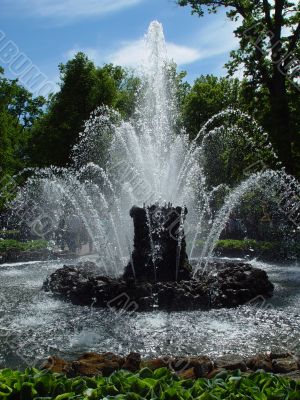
153, 165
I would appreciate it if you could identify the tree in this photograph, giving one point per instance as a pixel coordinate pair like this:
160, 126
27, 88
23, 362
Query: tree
180, 89
18, 112
268, 33
127, 85
208, 96
83, 88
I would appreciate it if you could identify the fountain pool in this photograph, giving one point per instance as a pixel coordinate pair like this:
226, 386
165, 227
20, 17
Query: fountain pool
35, 325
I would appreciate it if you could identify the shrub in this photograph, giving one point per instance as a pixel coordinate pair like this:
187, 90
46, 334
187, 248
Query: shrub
15, 245
246, 245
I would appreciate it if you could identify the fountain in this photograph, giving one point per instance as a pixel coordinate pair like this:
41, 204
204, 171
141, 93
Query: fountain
160, 255
159, 274
150, 162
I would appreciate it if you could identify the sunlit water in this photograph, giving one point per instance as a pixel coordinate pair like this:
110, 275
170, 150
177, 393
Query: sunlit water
34, 324
149, 159
146, 159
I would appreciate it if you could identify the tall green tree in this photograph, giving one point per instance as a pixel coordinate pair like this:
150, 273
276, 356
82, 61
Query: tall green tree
268, 33
222, 162
208, 96
18, 112
83, 88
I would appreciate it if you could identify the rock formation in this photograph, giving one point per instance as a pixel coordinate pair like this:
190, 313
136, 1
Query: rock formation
104, 364
159, 252
230, 284
159, 273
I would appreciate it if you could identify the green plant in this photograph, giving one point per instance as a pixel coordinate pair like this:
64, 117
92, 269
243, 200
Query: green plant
15, 245
146, 384
245, 245
9, 234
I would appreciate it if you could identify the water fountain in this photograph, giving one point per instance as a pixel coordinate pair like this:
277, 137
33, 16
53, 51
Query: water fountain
142, 162
150, 163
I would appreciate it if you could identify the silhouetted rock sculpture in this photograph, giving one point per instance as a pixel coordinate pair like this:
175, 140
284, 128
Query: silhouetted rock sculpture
159, 252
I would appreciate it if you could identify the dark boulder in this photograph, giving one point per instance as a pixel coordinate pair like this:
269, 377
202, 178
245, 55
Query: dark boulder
231, 362
260, 361
285, 365
104, 364
132, 362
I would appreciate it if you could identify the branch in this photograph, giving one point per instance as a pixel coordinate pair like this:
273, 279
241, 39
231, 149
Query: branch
294, 39
217, 3
262, 68
239, 8
267, 11
292, 45
278, 18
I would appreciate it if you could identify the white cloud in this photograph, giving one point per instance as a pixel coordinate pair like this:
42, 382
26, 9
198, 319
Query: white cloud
132, 54
70, 8
182, 54
217, 38
212, 40
240, 73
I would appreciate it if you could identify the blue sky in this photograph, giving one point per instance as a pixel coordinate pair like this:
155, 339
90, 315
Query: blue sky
51, 31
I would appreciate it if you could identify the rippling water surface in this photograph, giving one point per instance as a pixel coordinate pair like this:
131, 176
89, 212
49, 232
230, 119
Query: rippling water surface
33, 324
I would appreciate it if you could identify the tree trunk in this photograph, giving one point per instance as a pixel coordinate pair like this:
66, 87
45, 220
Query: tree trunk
281, 132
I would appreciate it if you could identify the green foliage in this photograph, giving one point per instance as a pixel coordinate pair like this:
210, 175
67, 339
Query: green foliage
257, 19
18, 112
208, 96
222, 163
16, 245
9, 234
158, 385
83, 88
246, 245
268, 33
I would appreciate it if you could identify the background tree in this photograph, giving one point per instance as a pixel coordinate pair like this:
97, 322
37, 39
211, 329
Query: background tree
18, 113
83, 88
208, 96
222, 162
269, 34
